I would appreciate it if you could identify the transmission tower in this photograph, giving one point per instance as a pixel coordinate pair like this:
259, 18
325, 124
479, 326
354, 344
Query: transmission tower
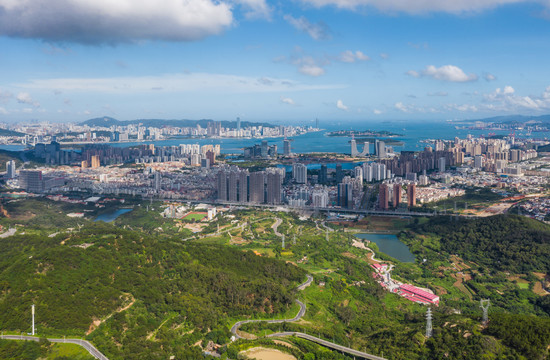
283, 241
484, 304
429, 328
294, 240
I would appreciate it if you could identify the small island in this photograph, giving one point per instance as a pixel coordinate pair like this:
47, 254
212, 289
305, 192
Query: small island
365, 133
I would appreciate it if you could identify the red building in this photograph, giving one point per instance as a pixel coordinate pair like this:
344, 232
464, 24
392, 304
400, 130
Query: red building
418, 295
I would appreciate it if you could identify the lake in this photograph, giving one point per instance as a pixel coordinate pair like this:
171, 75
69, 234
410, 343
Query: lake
390, 245
112, 216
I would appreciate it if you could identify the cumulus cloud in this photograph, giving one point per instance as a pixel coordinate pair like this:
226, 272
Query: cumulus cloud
287, 100
309, 66
25, 98
450, 73
106, 21
340, 105
416, 7
349, 56
377, 112
319, 31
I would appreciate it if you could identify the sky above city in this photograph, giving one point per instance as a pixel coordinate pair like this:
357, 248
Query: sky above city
276, 61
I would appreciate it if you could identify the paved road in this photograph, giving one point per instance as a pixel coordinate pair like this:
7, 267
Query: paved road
329, 345
85, 344
276, 225
298, 316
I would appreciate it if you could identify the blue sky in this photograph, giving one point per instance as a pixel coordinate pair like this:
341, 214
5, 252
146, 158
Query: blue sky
280, 61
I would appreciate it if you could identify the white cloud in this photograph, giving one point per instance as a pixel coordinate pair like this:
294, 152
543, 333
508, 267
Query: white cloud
402, 107
3, 111
444, 73
349, 56
416, 7
173, 83
462, 107
319, 31
27, 110
287, 100
309, 66
107, 21
489, 77
256, 9
340, 105
360, 56
25, 98
384, 56
377, 112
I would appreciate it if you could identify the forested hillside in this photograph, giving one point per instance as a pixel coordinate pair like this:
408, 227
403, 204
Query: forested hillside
135, 288
504, 242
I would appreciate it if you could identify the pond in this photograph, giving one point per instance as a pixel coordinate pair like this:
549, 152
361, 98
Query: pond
389, 244
112, 216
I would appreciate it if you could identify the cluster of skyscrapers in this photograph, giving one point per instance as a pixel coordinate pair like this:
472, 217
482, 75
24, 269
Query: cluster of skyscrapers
238, 185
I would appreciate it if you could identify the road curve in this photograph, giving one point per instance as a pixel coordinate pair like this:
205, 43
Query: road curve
328, 344
298, 316
84, 343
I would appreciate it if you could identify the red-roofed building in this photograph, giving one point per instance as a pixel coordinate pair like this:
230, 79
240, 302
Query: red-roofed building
380, 267
418, 295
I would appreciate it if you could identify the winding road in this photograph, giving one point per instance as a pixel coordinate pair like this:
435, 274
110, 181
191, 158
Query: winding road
301, 313
84, 343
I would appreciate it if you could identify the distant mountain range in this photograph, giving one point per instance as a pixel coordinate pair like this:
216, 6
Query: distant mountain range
520, 119
109, 121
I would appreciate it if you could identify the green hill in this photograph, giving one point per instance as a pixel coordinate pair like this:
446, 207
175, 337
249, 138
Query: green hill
503, 242
136, 288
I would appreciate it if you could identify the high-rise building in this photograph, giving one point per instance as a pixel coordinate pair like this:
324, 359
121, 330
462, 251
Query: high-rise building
358, 172
287, 150
95, 161
232, 186
323, 175
339, 173
274, 188
257, 187
478, 161
238, 126
396, 194
319, 198
10, 169
345, 195
383, 197
157, 181
299, 173
243, 186
411, 195
380, 149
264, 149
441, 164
31, 180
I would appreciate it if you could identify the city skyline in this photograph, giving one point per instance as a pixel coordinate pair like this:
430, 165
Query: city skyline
344, 60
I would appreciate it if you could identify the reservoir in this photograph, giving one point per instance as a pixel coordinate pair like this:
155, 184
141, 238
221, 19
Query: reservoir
390, 245
112, 216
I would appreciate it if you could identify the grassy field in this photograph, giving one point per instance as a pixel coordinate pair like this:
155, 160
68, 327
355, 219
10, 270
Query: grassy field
194, 216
